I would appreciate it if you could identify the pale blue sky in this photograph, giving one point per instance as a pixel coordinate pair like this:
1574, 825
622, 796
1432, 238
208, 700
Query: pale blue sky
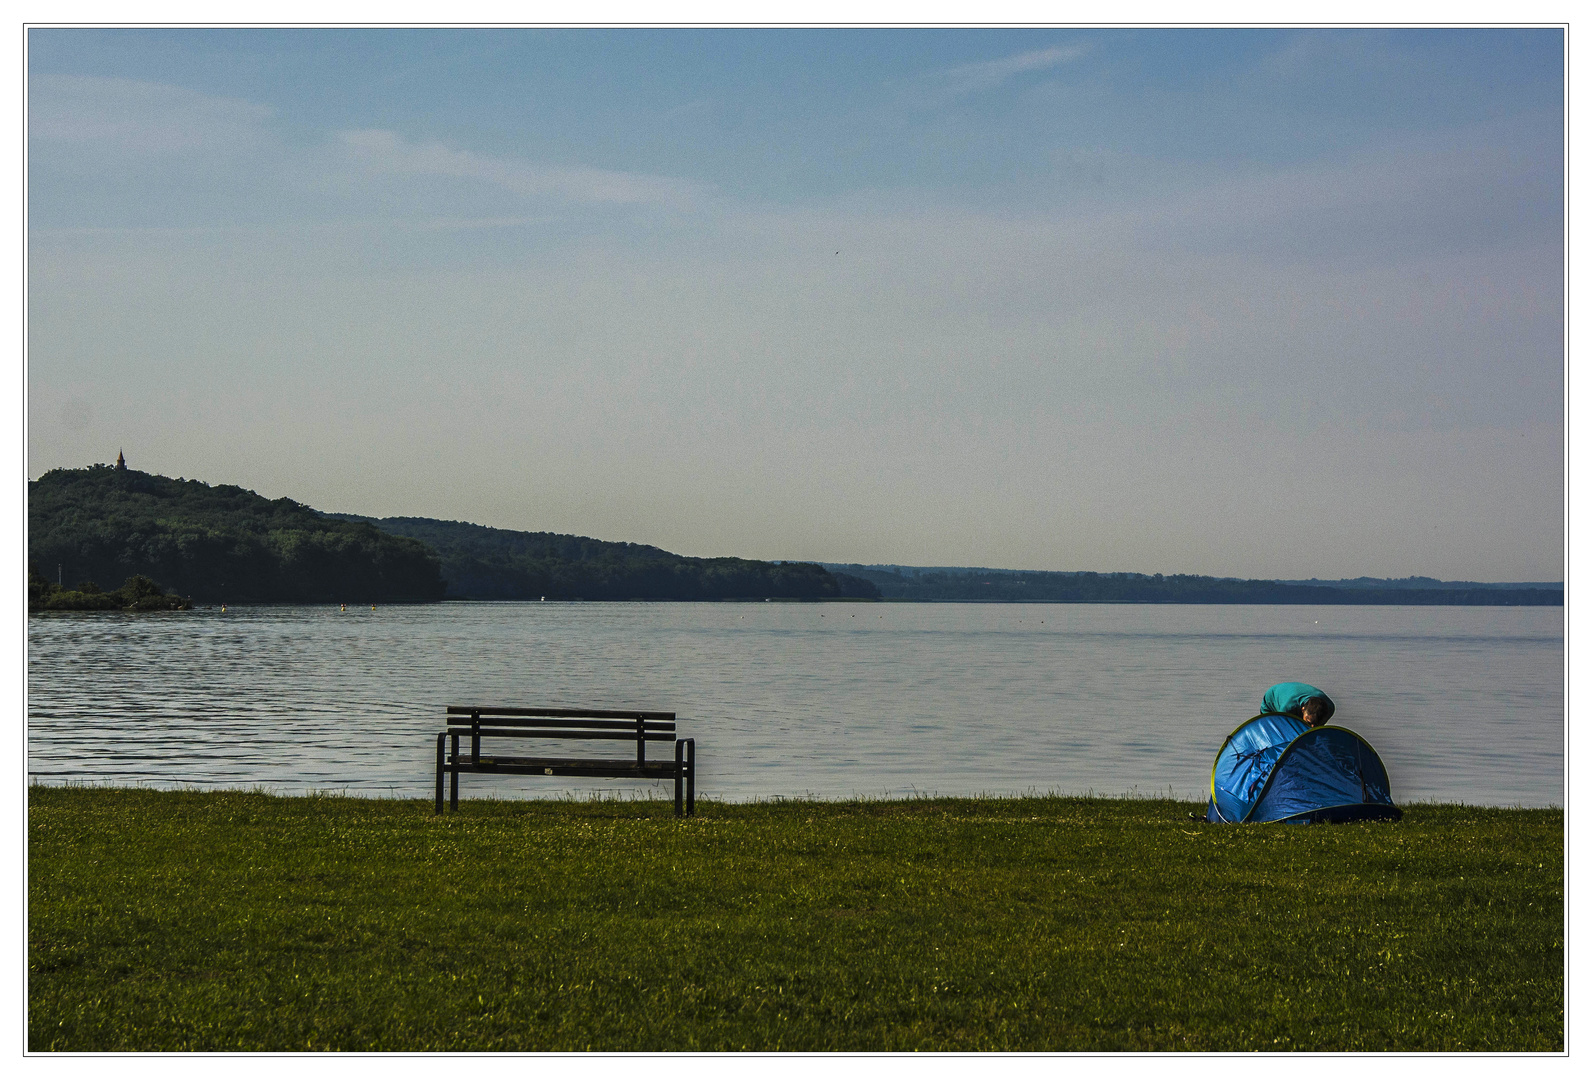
1261, 303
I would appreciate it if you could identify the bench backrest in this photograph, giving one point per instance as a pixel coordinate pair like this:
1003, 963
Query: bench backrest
639, 725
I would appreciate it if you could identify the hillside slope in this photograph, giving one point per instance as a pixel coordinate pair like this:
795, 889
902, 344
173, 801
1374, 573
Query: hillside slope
215, 544
482, 563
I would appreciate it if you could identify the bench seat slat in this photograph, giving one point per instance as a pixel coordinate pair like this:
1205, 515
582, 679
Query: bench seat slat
562, 733
600, 714
614, 767
538, 722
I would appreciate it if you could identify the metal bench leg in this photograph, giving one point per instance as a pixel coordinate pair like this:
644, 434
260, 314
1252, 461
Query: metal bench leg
442, 741
454, 795
679, 775
690, 778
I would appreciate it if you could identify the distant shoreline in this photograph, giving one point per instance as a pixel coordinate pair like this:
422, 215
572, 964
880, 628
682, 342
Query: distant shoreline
1387, 600
987, 584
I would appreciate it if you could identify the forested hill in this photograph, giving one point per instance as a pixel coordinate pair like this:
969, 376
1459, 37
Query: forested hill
219, 544
226, 544
482, 563
1042, 586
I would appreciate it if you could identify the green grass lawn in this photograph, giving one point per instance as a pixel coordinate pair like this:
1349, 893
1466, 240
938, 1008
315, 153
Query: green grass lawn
238, 921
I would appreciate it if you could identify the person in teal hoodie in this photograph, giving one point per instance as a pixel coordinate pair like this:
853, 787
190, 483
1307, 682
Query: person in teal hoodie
1301, 700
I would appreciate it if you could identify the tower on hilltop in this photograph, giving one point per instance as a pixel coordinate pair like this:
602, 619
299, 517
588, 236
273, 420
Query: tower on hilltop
121, 462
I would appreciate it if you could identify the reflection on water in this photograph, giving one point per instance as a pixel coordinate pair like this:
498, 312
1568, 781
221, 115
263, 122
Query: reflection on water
833, 700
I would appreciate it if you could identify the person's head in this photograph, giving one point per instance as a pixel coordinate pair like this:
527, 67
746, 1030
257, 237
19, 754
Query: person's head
1314, 711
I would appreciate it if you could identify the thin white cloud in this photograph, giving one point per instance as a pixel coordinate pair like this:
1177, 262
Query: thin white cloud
957, 82
387, 152
159, 151
127, 115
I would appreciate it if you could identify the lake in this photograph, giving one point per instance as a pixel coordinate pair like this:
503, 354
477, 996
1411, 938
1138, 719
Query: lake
789, 700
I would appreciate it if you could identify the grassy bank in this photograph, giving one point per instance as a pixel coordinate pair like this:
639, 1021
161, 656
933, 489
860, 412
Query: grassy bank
231, 921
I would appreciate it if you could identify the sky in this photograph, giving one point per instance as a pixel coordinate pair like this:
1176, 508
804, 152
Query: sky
1256, 303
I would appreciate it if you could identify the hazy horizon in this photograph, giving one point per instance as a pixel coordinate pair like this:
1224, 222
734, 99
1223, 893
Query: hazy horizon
897, 565
1241, 303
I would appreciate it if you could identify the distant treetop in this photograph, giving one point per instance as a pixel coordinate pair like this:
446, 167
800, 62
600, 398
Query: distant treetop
215, 544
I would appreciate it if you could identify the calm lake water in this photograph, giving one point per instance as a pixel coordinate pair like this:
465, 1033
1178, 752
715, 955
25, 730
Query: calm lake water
828, 700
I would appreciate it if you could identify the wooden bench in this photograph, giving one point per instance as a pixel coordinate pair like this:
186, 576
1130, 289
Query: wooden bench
475, 722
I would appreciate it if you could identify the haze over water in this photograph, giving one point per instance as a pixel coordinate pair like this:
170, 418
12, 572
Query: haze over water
827, 700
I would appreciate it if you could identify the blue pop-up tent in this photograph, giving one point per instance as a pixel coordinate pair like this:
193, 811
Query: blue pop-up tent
1278, 768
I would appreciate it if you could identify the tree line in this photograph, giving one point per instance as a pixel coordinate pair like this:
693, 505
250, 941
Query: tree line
137, 593
215, 544
483, 563
221, 544
225, 544
1061, 587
